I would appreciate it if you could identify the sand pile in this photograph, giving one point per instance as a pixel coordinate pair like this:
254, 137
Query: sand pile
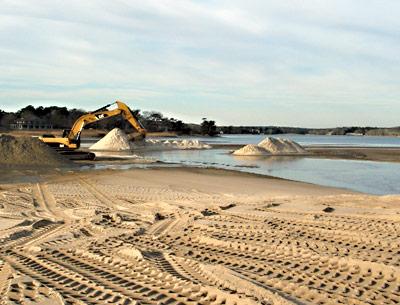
191, 144
175, 144
115, 140
27, 151
271, 146
118, 140
251, 150
279, 146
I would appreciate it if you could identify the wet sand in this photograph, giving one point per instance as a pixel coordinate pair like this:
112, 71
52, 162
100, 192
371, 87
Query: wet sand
386, 154
195, 236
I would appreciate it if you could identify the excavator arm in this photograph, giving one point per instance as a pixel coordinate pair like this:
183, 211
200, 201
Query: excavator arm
71, 138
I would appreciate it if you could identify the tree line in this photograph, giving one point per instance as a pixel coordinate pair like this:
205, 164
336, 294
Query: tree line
154, 121
58, 117
339, 131
63, 118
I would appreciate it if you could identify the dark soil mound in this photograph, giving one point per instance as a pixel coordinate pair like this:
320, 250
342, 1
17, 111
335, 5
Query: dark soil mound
28, 152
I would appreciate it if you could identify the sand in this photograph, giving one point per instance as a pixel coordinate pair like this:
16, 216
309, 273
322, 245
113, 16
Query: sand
28, 152
115, 140
271, 146
187, 144
386, 154
251, 150
195, 236
118, 140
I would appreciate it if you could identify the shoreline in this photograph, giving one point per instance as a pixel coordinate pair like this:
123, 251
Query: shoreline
366, 153
380, 154
44, 175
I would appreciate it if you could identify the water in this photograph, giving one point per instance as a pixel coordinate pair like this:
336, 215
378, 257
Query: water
358, 141
380, 178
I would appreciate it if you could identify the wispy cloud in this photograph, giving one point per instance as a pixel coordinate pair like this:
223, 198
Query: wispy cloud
256, 62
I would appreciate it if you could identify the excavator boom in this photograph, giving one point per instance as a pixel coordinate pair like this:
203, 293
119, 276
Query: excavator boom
71, 138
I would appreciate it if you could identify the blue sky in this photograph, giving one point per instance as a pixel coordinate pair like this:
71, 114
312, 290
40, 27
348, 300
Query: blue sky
315, 63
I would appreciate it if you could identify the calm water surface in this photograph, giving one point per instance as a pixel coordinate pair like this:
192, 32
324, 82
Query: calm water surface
301, 139
368, 141
364, 176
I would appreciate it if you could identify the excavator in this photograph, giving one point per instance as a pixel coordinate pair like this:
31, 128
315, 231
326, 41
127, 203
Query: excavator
71, 138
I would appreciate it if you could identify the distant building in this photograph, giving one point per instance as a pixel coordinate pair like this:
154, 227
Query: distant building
30, 124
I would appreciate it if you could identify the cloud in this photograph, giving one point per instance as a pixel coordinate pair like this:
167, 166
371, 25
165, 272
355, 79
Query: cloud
227, 60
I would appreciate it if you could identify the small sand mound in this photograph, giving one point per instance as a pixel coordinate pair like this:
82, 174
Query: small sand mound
29, 152
130, 252
175, 144
251, 150
191, 144
115, 140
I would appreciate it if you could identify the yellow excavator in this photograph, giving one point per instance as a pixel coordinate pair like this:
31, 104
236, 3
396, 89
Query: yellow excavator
71, 138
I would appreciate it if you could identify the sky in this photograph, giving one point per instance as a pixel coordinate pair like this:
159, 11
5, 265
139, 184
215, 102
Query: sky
306, 63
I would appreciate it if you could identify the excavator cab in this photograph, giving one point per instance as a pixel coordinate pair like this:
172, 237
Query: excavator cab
76, 140
66, 132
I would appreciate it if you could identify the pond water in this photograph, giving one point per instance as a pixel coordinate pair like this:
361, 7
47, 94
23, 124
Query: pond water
358, 141
371, 177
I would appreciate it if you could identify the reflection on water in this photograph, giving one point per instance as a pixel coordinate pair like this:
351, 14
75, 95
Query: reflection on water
115, 154
265, 159
363, 176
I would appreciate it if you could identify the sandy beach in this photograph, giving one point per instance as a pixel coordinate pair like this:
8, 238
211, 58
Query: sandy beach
195, 236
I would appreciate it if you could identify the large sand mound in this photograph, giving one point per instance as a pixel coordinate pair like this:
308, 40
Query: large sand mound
118, 140
251, 150
280, 146
271, 146
26, 151
115, 140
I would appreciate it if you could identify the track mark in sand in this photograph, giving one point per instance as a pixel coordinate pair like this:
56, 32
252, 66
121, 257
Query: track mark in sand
15, 202
5, 278
23, 289
38, 193
154, 245
72, 286
189, 269
96, 192
163, 226
46, 201
159, 260
27, 238
139, 280
292, 270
